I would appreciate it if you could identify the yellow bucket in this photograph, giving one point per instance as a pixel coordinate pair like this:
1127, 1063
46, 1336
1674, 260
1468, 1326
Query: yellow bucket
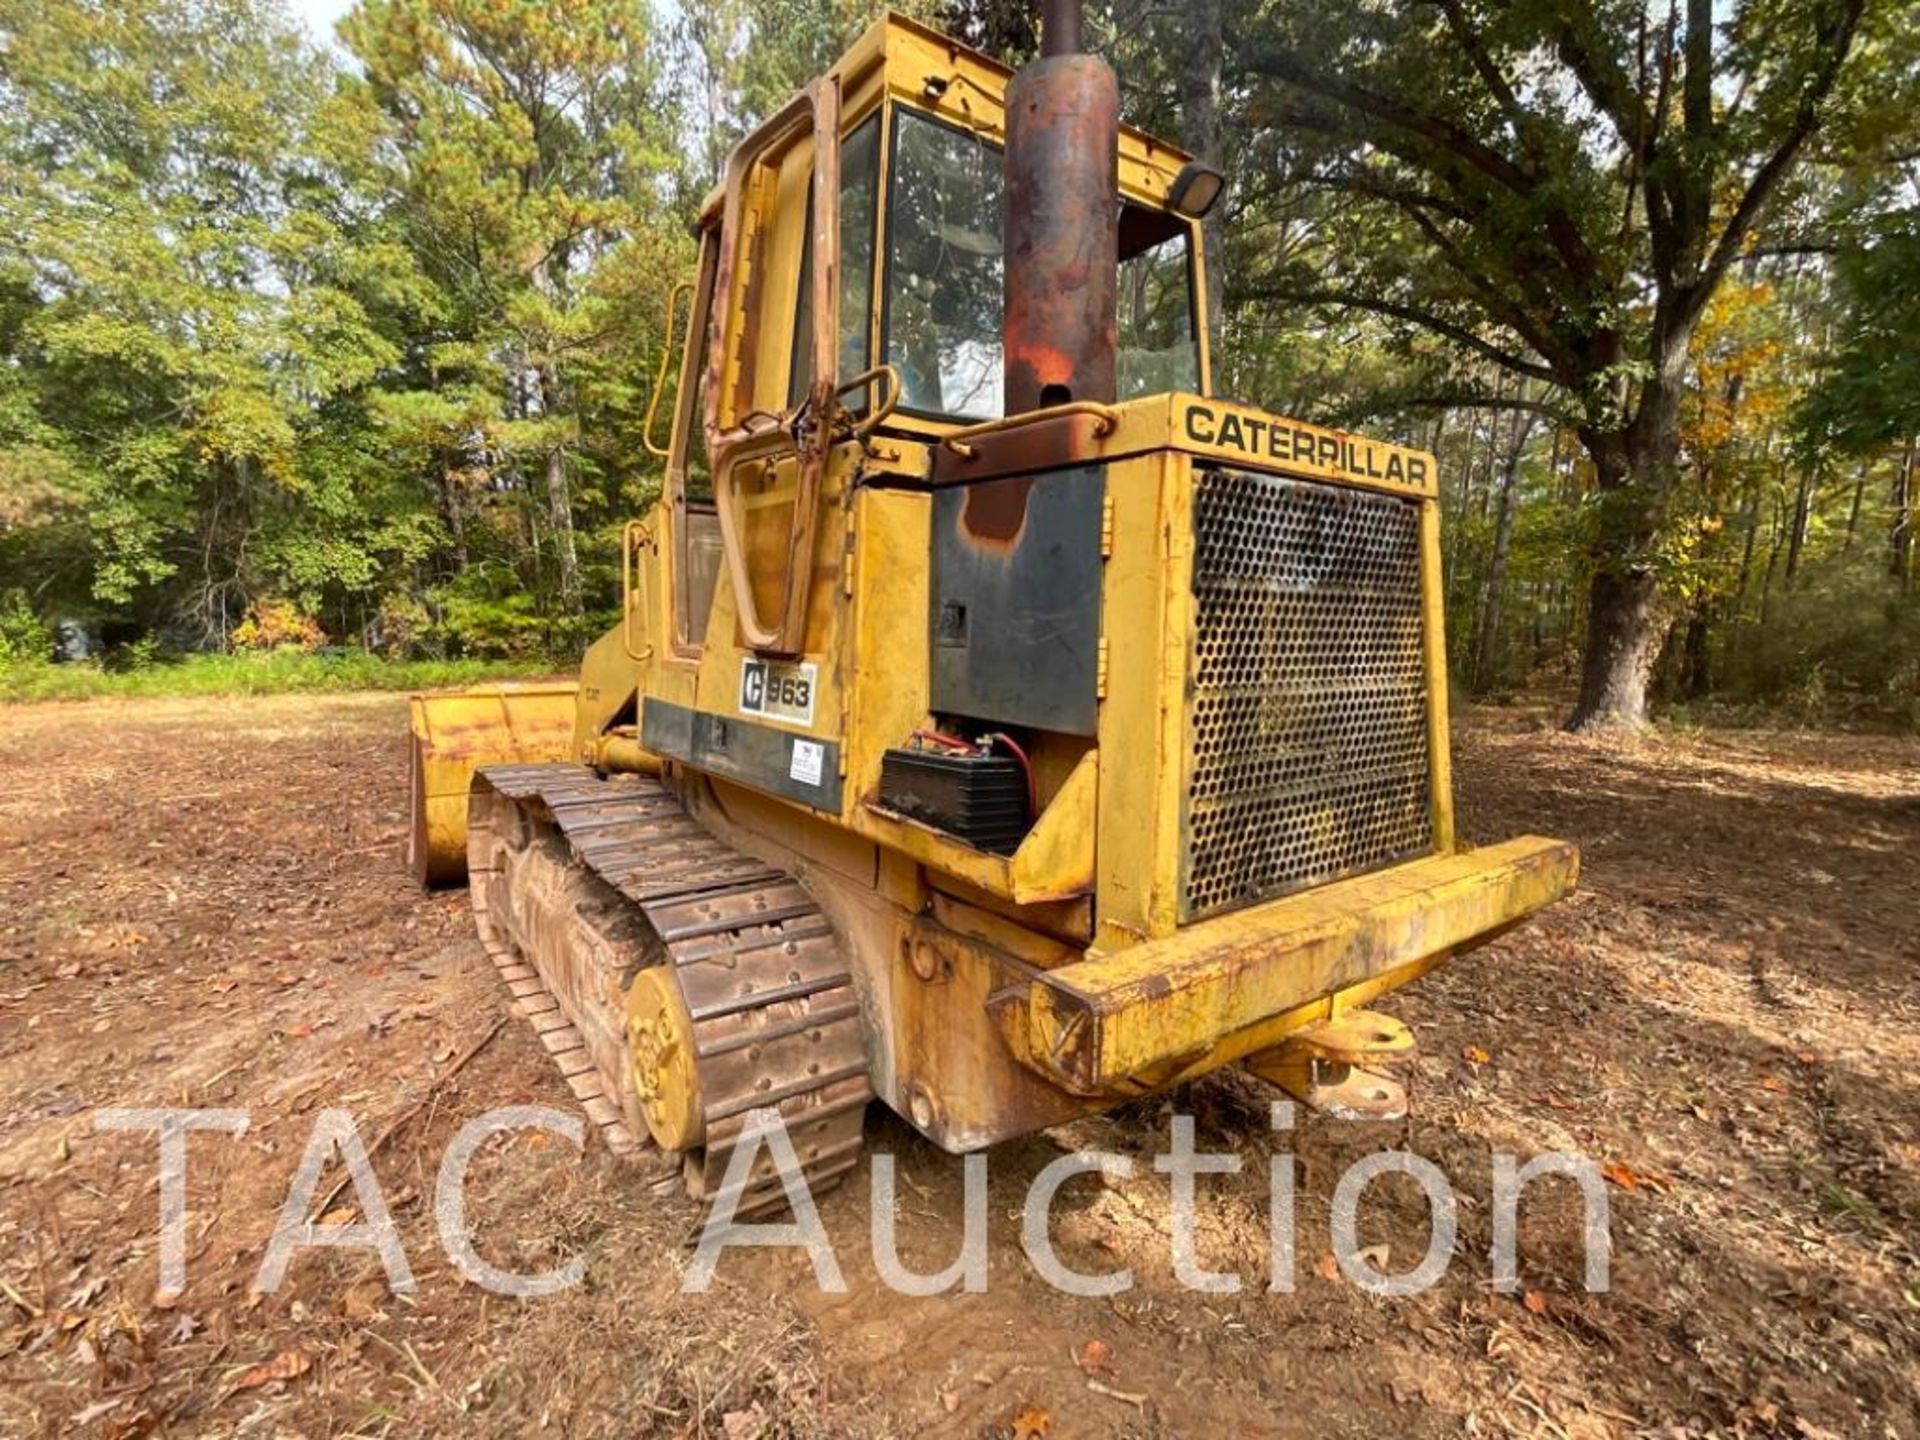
453, 734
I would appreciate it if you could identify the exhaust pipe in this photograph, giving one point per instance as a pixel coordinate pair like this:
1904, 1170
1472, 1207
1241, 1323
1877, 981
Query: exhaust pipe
1062, 222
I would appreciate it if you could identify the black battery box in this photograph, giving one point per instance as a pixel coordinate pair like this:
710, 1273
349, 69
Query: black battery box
981, 799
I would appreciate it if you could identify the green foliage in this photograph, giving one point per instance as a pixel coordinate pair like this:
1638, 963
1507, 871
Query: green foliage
272, 673
1835, 650
1870, 393
24, 638
366, 347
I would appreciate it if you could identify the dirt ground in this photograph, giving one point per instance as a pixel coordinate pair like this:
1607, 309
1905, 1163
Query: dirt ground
200, 905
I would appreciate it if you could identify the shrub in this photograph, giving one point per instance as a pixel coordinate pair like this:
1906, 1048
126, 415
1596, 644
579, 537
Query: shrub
277, 625
24, 637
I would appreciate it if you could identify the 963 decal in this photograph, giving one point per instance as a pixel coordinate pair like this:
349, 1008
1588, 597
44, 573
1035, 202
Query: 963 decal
778, 691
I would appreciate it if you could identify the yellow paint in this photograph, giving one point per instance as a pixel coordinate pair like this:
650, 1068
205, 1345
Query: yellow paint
660, 1049
1439, 731
1000, 992
1144, 601
1108, 1017
451, 735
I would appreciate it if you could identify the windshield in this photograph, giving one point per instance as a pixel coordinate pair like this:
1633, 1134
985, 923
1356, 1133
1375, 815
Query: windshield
859, 185
944, 280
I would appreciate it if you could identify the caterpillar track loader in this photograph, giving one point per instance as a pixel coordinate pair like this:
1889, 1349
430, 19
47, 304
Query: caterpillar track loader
997, 724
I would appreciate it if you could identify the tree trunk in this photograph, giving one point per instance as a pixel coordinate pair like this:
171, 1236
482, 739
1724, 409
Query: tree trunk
560, 514
1797, 533
454, 512
1623, 630
1853, 511
1696, 665
1750, 510
1635, 473
1773, 564
1487, 624
1482, 497
1900, 537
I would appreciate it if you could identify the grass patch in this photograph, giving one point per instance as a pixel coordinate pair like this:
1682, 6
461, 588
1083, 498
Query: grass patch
276, 673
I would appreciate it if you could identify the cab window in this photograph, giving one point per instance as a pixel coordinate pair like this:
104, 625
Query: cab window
944, 290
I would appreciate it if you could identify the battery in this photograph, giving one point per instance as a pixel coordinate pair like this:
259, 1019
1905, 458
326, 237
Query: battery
981, 799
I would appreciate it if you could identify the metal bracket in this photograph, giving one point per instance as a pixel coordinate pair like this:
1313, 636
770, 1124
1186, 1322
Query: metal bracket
1324, 1068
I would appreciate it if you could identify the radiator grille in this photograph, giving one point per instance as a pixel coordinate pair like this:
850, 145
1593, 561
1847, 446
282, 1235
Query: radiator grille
1307, 704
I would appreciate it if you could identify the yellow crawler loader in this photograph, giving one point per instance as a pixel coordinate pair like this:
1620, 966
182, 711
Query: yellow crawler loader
997, 724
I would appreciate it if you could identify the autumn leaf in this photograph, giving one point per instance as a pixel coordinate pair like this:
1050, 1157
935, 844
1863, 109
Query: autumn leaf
1093, 1356
1031, 1423
1622, 1175
1474, 1055
1535, 1301
1627, 1178
285, 1366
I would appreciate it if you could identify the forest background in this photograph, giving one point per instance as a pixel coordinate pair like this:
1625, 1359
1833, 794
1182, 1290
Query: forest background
342, 346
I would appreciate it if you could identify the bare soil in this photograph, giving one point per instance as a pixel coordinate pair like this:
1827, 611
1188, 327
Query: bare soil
200, 904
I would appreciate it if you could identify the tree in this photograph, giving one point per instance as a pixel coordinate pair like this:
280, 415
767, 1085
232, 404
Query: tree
188, 303
527, 141
1557, 189
1869, 397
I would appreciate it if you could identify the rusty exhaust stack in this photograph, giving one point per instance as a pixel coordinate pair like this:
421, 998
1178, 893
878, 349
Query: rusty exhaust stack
1062, 222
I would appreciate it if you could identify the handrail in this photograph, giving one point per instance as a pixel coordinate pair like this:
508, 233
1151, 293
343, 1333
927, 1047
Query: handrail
663, 452
879, 414
957, 440
632, 535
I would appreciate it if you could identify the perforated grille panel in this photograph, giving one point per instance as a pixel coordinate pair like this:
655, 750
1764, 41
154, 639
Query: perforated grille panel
1307, 704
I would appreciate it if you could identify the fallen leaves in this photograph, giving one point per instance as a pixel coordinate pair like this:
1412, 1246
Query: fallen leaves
1627, 1178
1475, 1056
287, 1365
1093, 1357
1030, 1422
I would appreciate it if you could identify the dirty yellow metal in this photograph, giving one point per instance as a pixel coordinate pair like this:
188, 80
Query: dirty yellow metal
660, 1047
1095, 1023
1000, 992
452, 735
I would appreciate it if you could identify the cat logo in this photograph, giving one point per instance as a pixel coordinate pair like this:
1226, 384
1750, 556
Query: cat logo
778, 691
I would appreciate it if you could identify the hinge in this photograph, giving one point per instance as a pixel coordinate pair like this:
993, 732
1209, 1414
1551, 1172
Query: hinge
1106, 525
1100, 671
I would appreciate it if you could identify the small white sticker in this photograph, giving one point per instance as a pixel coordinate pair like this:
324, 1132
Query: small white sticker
808, 758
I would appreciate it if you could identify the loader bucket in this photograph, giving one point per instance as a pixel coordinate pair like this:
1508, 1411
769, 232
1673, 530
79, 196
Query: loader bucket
451, 735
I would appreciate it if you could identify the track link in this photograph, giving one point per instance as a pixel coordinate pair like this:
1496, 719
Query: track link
579, 882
